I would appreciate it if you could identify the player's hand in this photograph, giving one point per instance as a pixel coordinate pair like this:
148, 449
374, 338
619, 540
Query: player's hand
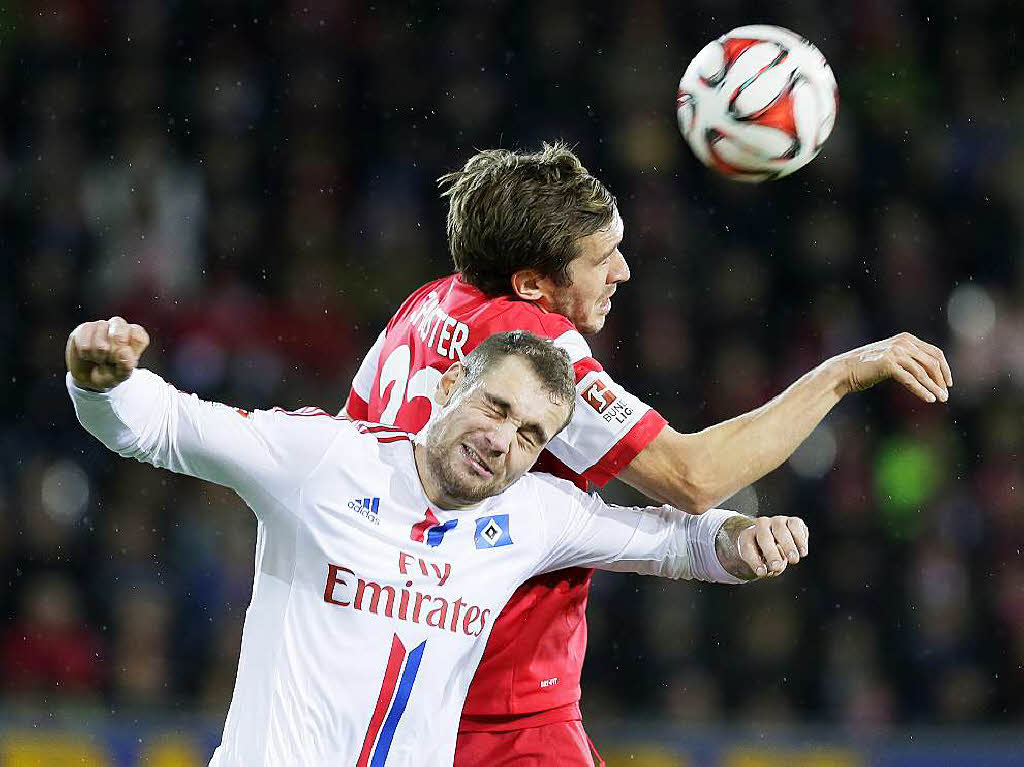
761, 547
919, 366
772, 543
102, 354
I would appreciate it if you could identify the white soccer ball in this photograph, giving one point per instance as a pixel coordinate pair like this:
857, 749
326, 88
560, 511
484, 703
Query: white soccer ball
757, 103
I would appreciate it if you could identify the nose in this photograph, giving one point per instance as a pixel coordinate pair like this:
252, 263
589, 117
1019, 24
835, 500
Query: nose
499, 439
620, 269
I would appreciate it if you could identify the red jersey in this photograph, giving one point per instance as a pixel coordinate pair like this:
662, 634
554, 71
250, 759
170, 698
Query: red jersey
534, 657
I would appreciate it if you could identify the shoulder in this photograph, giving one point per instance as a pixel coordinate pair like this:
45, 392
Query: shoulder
532, 508
379, 433
524, 315
368, 446
511, 313
280, 414
314, 417
437, 287
306, 419
548, 490
381, 449
514, 314
572, 342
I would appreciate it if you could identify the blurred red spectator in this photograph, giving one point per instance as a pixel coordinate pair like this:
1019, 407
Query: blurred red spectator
49, 648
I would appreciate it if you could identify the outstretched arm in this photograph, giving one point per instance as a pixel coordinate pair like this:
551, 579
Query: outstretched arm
262, 455
720, 546
694, 472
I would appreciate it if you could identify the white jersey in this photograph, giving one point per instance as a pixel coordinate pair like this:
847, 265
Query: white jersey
371, 606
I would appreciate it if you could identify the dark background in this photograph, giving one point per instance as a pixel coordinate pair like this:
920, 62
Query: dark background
255, 183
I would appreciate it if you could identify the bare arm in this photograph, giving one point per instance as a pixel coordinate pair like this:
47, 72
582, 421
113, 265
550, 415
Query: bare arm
695, 472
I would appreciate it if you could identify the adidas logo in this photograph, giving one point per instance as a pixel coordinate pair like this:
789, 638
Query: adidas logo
366, 508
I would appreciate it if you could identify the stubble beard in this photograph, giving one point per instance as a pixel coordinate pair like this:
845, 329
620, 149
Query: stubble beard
454, 487
567, 308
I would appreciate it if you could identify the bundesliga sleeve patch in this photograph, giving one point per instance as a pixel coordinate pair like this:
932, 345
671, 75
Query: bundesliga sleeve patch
599, 396
492, 532
605, 413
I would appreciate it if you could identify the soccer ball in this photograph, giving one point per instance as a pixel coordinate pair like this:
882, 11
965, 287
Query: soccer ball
757, 103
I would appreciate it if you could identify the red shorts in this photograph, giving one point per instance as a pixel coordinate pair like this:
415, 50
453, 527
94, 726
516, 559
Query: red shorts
564, 744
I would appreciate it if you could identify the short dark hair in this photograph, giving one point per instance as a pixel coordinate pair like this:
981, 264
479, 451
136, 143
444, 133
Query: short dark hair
509, 211
548, 362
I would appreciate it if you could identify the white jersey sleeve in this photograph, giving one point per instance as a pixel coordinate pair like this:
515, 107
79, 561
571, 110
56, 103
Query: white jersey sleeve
262, 455
584, 531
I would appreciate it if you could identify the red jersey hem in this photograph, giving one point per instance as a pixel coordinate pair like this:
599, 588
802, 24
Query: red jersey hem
627, 448
570, 712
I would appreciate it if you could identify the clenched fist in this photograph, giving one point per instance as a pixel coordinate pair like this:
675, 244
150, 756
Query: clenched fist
102, 354
761, 547
919, 366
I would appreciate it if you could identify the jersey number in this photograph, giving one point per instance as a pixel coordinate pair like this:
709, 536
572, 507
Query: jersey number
399, 676
395, 373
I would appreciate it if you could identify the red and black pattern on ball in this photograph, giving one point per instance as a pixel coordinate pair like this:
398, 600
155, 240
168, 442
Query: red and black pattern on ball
777, 114
732, 47
781, 56
711, 137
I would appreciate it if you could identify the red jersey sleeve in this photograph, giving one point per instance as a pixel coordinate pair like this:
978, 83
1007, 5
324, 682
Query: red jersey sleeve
609, 427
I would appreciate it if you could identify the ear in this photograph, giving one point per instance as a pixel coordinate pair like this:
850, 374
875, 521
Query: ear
449, 383
531, 285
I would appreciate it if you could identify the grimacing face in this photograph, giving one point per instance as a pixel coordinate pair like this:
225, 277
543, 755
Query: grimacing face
593, 277
490, 433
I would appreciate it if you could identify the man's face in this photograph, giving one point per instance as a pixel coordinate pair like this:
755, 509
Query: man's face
593, 277
490, 433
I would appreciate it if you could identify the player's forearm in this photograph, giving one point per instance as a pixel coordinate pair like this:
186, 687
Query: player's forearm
695, 472
123, 417
659, 541
743, 449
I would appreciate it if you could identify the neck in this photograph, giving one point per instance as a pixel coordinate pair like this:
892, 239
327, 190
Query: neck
432, 487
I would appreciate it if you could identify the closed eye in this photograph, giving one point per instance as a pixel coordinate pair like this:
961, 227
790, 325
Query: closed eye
528, 439
492, 411
531, 433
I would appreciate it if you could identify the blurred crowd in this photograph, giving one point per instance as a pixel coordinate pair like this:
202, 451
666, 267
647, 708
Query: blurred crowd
255, 183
